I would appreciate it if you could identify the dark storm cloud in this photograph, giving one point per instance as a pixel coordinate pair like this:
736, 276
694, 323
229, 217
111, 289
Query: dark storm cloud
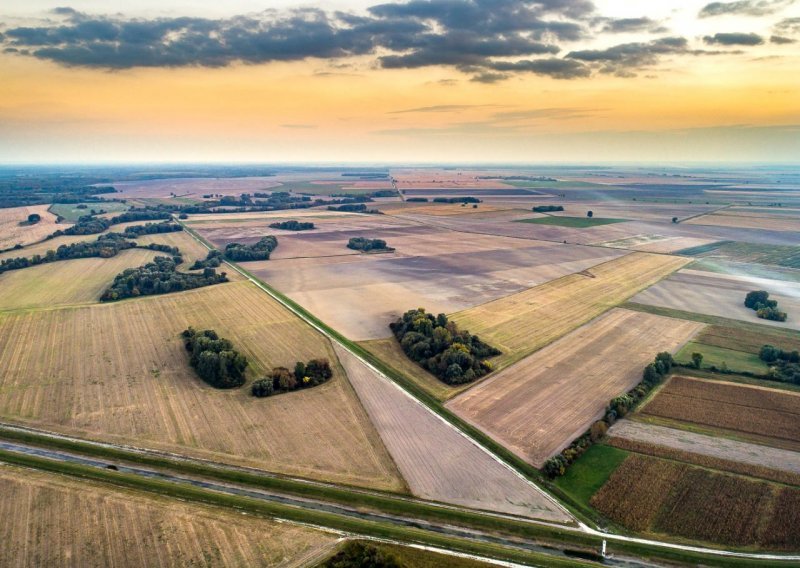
746, 7
734, 39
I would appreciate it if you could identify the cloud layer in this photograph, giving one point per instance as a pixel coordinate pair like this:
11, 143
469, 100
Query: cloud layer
491, 40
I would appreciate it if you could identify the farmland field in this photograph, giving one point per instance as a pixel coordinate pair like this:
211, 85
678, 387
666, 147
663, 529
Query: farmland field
720, 357
539, 405
71, 212
437, 461
64, 522
119, 372
709, 451
521, 323
66, 282
13, 233
778, 255
722, 295
660, 496
748, 220
573, 222
359, 295
771, 415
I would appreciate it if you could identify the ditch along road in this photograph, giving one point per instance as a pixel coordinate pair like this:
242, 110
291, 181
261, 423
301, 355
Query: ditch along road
448, 419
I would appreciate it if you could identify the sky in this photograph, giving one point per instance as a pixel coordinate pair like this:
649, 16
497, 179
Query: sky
399, 81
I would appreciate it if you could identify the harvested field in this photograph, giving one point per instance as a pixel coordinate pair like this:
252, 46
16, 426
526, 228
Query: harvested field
436, 460
722, 295
440, 209
44, 246
359, 295
657, 243
748, 220
12, 233
88, 381
777, 255
708, 451
747, 340
658, 496
538, 406
67, 282
521, 323
390, 352
772, 415
64, 522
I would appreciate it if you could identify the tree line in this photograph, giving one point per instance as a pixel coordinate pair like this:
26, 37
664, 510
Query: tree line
90, 224
456, 200
765, 308
151, 229
436, 344
214, 358
354, 208
293, 225
304, 375
366, 245
257, 251
784, 366
158, 277
653, 374
547, 208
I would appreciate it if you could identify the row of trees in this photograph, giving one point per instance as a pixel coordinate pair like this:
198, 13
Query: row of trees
653, 374
354, 208
151, 229
257, 251
91, 225
215, 359
293, 225
158, 277
366, 245
765, 308
304, 375
454, 356
105, 246
456, 200
547, 208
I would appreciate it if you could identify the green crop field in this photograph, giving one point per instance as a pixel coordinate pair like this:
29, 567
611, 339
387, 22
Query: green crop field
572, 222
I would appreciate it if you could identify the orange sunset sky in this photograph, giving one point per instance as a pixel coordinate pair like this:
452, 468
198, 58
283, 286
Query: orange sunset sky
420, 81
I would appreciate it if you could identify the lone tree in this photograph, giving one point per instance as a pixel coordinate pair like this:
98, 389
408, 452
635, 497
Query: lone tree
697, 359
34, 218
590, 214
674, 219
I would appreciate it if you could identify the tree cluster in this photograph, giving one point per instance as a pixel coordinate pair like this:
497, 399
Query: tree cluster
34, 218
366, 245
618, 407
765, 308
141, 214
417, 200
151, 229
456, 200
293, 225
304, 375
360, 555
354, 208
213, 260
214, 358
547, 208
257, 251
158, 277
454, 356
784, 366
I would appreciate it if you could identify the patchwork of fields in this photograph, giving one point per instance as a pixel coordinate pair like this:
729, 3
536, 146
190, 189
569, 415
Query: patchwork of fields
437, 461
119, 373
769, 415
521, 323
61, 522
539, 405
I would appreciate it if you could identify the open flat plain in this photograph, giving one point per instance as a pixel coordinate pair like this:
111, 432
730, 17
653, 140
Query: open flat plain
439, 462
537, 406
119, 373
521, 323
64, 522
